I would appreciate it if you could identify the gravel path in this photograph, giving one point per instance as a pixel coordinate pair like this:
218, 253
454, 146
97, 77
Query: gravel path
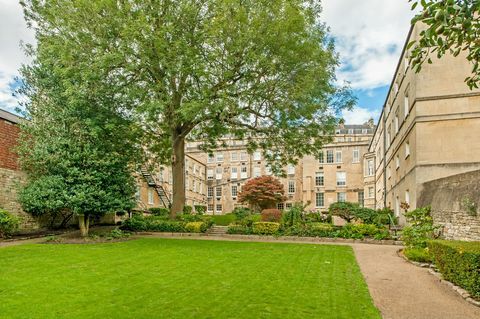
399, 289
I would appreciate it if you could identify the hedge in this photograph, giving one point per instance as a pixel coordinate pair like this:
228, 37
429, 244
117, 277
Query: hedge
266, 228
458, 262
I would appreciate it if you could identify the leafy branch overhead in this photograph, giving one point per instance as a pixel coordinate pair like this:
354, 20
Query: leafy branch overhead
452, 26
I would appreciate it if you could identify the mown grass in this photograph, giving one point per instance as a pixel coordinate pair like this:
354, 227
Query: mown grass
167, 278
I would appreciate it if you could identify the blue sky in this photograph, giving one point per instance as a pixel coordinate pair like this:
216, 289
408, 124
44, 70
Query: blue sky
369, 36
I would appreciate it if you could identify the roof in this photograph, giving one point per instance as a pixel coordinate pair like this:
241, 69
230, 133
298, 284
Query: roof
10, 117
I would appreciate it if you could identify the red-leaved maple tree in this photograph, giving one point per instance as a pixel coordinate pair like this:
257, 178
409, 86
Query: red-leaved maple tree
262, 192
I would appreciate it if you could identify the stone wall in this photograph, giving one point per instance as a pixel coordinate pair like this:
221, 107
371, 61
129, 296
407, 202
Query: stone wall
455, 201
10, 181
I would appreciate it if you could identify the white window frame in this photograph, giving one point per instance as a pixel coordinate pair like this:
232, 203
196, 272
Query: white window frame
317, 201
291, 187
218, 191
234, 173
243, 156
151, 199
330, 157
338, 156
342, 179
217, 206
319, 179
210, 207
234, 190
257, 156
210, 173
243, 172
234, 157
210, 158
371, 192
257, 172
218, 173
356, 156
291, 169
220, 157
210, 192
344, 195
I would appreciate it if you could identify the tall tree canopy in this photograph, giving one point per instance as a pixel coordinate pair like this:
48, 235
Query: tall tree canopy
453, 26
258, 70
75, 148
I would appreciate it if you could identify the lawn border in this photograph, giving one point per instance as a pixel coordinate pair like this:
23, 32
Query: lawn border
277, 238
432, 270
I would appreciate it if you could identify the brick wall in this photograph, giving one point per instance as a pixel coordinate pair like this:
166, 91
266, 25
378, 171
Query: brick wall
448, 197
8, 141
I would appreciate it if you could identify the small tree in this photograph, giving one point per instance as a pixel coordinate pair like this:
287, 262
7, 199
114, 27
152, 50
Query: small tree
345, 210
262, 192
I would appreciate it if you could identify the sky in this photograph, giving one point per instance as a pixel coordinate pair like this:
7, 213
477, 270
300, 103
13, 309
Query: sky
369, 36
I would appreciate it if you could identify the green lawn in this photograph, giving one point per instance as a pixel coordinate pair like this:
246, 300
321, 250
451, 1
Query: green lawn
167, 278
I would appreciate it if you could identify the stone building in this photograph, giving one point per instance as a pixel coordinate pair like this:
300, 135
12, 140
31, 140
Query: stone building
10, 175
428, 130
336, 174
154, 187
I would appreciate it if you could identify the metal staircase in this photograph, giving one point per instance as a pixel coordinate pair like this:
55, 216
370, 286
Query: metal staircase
162, 194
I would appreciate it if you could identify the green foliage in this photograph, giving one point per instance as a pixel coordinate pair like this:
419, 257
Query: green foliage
160, 211
459, 262
117, 234
205, 68
320, 230
242, 212
223, 220
187, 209
360, 231
345, 210
8, 223
271, 215
249, 220
385, 216
140, 223
196, 227
265, 228
239, 229
420, 229
451, 27
421, 255
293, 216
200, 209
185, 217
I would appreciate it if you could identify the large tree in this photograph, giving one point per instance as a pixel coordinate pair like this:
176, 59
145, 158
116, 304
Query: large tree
258, 70
452, 26
74, 147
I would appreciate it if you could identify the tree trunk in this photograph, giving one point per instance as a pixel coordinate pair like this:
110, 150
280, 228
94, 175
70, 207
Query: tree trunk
178, 171
84, 224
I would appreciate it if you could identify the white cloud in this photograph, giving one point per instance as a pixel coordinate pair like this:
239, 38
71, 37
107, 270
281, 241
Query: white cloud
360, 115
13, 29
370, 35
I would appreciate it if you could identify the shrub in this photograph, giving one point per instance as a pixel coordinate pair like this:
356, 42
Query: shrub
239, 229
293, 216
420, 229
360, 231
242, 212
249, 220
223, 220
200, 209
320, 230
8, 223
344, 210
189, 218
458, 262
160, 211
367, 215
265, 228
195, 227
187, 209
136, 223
420, 255
271, 215
385, 216
315, 217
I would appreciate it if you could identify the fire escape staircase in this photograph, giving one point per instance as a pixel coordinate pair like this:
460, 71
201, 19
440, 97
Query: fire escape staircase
162, 194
